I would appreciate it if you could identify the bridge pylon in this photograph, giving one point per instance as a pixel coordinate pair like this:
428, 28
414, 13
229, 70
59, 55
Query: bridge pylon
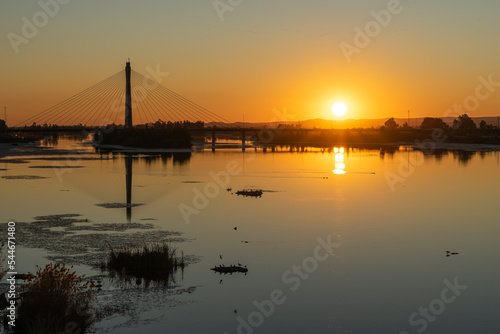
128, 97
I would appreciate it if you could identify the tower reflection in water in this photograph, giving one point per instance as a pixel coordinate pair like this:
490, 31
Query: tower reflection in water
128, 183
339, 161
179, 158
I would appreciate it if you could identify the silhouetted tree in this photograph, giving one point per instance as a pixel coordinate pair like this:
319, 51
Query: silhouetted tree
3, 125
391, 124
483, 125
464, 123
433, 123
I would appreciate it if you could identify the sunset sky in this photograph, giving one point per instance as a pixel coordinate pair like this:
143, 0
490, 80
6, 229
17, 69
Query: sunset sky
262, 55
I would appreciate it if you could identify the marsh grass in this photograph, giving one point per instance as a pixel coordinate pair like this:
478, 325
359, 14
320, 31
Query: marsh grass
156, 262
53, 301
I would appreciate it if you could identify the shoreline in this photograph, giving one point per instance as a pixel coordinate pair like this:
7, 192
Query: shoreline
437, 146
129, 149
27, 149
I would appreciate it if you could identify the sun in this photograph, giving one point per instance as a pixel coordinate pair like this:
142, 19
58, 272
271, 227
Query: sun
339, 109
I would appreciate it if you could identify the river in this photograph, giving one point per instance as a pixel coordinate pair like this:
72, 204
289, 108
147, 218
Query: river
342, 240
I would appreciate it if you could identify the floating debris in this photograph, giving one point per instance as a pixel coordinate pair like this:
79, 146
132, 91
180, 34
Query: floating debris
250, 192
57, 166
118, 205
58, 217
23, 276
448, 253
111, 227
229, 269
23, 177
76, 157
78, 242
130, 304
14, 161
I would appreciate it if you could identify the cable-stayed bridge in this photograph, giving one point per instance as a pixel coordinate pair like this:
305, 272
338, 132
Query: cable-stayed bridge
121, 98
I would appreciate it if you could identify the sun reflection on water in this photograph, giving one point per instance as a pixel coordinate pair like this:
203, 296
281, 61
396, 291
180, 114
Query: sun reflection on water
339, 160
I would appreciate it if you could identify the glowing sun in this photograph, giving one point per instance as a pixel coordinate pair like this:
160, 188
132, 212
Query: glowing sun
339, 109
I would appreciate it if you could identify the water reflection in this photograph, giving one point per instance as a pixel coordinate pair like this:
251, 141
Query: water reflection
385, 151
464, 157
339, 161
388, 151
124, 281
178, 158
51, 141
128, 183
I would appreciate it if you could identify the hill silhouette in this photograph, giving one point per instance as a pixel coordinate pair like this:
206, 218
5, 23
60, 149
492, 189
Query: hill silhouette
354, 123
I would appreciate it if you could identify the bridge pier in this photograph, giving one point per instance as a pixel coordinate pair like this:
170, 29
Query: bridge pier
213, 139
243, 140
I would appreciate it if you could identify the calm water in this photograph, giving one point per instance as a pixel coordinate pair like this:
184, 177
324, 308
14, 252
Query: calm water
387, 243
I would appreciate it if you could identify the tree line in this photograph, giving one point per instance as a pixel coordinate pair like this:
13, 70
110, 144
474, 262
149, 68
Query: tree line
462, 124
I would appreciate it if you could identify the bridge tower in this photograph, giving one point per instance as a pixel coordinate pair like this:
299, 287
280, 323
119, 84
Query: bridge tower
128, 98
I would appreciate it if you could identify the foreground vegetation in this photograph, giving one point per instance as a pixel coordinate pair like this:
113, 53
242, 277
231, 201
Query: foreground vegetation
55, 300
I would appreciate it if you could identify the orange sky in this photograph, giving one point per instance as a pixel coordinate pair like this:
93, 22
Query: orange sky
262, 56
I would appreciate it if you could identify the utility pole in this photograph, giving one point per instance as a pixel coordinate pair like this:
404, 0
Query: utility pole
243, 135
408, 118
5, 115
